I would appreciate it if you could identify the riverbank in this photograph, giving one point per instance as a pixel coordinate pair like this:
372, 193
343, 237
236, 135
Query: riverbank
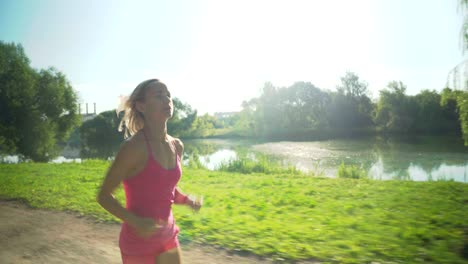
282, 216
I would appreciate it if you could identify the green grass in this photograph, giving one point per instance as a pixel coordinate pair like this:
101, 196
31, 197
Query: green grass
281, 215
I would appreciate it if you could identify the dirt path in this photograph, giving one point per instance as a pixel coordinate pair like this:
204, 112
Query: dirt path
40, 236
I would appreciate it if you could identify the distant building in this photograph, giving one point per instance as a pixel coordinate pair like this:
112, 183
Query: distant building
221, 115
87, 116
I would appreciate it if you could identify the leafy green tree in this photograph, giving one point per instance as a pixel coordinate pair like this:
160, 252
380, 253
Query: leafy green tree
427, 112
459, 100
350, 106
244, 123
203, 126
38, 109
430, 117
462, 104
394, 112
268, 112
351, 86
286, 111
100, 137
183, 118
304, 106
448, 102
74, 141
17, 80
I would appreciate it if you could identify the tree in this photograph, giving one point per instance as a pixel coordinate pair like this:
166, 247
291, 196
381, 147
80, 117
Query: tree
269, 116
351, 86
430, 116
393, 112
100, 137
462, 104
182, 119
203, 126
38, 109
305, 105
448, 102
459, 100
350, 106
244, 121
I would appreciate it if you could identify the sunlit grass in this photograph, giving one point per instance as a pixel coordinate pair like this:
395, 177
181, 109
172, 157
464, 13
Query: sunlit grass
281, 215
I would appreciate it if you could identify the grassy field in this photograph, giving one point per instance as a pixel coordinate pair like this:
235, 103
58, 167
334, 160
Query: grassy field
284, 216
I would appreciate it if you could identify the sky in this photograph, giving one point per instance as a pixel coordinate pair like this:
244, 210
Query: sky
215, 54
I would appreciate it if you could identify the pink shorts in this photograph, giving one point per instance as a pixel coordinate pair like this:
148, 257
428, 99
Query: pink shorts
150, 258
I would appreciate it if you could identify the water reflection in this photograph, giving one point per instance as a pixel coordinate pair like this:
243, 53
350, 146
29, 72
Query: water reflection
212, 161
416, 172
425, 159
376, 170
62, 159
422, 160
13, 159
10, 159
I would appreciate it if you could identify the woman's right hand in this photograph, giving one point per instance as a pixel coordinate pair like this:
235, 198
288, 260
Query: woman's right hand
145, 227
195, 202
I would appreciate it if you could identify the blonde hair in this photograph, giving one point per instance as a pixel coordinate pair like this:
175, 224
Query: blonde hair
133, 120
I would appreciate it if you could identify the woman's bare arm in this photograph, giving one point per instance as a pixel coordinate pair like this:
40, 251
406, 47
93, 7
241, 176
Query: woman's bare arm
181, 198
123, 165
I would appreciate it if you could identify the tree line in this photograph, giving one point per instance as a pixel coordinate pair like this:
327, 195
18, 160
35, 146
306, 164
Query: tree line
305, 111
39, 115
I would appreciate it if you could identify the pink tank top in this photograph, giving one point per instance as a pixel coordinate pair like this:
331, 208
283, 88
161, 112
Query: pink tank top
150, 193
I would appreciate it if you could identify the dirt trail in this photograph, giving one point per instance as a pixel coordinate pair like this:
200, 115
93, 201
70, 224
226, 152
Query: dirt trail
30, 235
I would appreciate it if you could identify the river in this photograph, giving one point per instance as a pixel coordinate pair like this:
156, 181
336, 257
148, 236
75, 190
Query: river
417, 158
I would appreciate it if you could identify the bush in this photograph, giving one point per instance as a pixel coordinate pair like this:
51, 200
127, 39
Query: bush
259, 164
351, 171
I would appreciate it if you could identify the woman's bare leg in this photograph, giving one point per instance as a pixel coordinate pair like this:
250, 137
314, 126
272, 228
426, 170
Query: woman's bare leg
172, 256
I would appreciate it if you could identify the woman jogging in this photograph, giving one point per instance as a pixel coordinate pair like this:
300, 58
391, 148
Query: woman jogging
149, 166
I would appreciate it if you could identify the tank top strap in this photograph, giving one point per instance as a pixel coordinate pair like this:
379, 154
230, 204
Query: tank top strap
148, 146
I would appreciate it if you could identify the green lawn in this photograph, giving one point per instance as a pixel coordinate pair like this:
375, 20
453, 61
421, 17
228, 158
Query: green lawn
282, 216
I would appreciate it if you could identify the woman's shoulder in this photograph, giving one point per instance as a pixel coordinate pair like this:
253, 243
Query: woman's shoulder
178, 144
133, 147
129, 158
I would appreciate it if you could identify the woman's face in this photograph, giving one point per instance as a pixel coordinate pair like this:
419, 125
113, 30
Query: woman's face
158, 102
